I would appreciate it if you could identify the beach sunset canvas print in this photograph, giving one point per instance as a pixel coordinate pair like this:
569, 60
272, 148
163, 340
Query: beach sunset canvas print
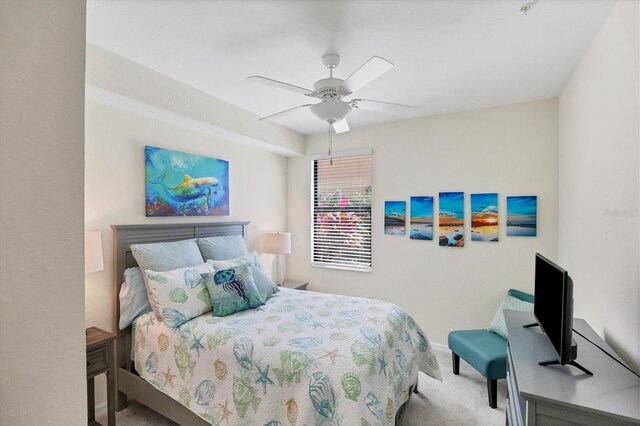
522, 216
421, 219
182, 184
484, 217
451, 217
395, 216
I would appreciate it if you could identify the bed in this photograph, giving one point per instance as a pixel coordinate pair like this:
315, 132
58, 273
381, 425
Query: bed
301, 358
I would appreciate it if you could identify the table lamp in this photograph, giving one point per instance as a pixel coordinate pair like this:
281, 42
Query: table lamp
93, 261
278, 243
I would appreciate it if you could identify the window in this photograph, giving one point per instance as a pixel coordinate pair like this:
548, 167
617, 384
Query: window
341, 233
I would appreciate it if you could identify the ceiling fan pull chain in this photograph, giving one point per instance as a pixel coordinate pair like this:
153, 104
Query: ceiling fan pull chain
330, 144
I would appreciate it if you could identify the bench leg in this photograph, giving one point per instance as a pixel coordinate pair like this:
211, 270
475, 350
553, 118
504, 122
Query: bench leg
492, 388
456, 363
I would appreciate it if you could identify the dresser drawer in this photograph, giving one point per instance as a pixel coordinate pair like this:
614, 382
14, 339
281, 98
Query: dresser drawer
97, 360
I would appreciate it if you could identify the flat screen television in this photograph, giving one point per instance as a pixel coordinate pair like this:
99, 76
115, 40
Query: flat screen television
553, 310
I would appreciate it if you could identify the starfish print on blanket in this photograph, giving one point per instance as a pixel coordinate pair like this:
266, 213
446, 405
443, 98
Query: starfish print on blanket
168, 377
197, 344
332, 355
383, 366
225, 411
264, 378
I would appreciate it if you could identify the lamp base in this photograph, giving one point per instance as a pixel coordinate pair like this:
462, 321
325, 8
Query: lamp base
279, 272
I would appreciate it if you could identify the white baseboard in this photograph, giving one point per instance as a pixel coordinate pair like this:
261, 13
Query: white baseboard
440, 346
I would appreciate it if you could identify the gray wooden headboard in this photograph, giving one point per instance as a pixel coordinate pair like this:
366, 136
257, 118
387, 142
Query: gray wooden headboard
126, 235
128, 384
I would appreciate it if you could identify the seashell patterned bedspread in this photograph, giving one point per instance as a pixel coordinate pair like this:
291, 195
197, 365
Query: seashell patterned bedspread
302, 358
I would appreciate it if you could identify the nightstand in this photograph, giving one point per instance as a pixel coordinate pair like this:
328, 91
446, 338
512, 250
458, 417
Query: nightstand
298, 285
100, 360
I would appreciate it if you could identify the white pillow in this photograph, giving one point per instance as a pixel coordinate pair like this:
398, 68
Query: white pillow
181, 294
133, 297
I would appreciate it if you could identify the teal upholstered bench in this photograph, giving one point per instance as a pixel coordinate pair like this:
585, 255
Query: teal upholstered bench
485, 351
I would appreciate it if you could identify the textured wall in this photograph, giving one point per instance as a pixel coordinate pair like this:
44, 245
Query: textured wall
42, 372
512, 150
599, 182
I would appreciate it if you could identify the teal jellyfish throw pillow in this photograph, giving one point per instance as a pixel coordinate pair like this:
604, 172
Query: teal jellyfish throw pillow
265, 286
232, 290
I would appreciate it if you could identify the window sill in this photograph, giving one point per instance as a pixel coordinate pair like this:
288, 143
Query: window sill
340, 267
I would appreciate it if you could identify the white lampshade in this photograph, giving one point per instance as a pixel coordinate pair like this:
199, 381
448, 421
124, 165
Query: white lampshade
93, 252
277, 243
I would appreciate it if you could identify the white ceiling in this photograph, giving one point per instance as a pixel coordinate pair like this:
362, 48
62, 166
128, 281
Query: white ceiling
449, 55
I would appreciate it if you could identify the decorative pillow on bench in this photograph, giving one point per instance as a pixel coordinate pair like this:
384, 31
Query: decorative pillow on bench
498, 324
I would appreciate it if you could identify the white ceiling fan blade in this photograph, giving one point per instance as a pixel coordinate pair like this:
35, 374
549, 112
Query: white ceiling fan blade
389, 107
285, 112
280, 84
341, 126
364, 75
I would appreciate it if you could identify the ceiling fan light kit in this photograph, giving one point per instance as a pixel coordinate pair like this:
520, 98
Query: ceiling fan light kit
333, 109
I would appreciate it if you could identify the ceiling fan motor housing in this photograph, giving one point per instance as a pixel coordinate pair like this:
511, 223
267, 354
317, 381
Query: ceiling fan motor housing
331, 110
327, 88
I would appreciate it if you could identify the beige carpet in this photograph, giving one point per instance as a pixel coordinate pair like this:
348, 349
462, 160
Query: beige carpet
458, 400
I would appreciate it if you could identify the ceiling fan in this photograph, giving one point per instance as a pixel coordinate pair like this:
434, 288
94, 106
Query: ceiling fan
333, 108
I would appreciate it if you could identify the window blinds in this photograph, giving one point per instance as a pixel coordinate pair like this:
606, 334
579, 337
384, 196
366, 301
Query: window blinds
341, 234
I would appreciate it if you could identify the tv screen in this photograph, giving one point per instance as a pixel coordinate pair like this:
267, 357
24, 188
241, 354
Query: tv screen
553, 306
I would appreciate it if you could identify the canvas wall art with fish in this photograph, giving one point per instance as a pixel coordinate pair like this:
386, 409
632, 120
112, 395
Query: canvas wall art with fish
182, 184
